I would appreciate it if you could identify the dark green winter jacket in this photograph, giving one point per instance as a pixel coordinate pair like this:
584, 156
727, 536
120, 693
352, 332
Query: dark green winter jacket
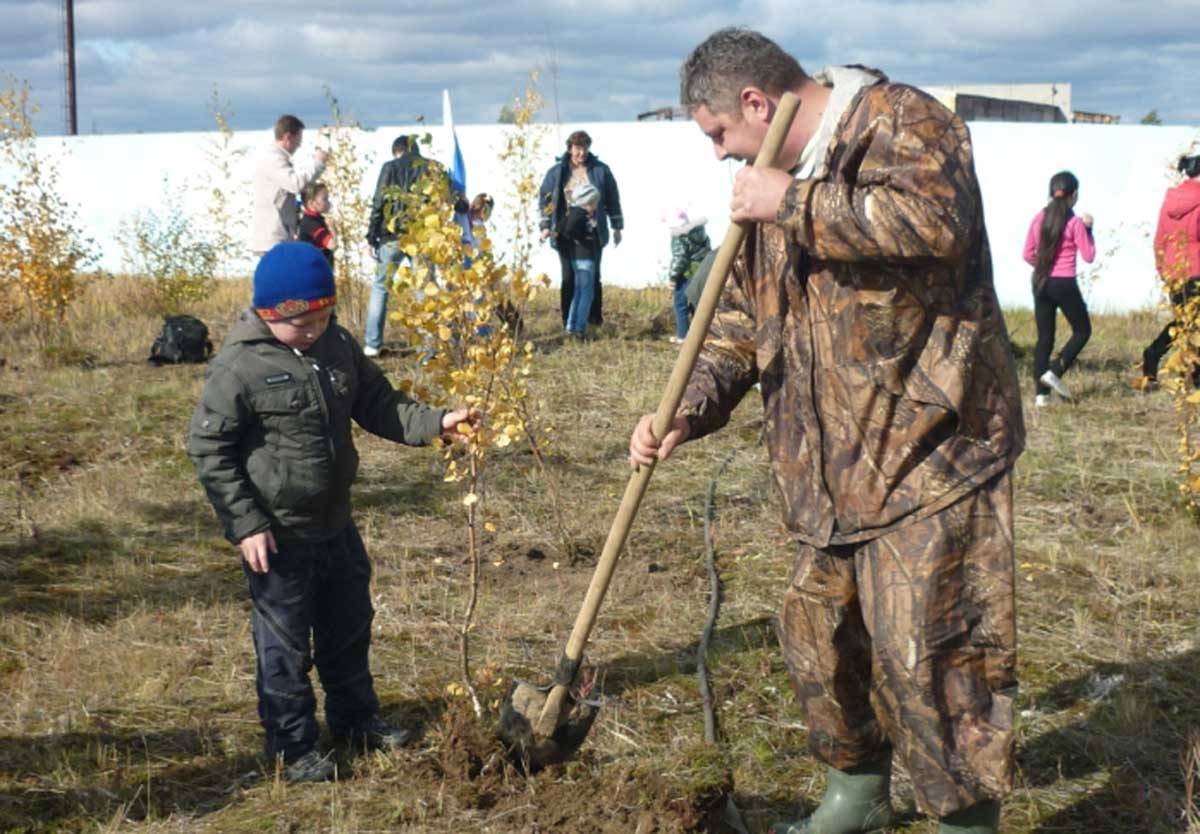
687, 251
271, 438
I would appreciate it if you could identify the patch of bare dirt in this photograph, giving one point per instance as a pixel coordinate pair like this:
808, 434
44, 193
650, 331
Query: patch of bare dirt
584, 797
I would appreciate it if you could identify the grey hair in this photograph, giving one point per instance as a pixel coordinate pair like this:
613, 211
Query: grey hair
728, 61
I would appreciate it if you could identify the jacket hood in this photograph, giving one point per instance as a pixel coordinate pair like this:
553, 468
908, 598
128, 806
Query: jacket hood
1183, 199
248, 328
687, 228
845, 83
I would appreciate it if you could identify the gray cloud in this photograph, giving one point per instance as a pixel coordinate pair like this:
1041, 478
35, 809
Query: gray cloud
145, 66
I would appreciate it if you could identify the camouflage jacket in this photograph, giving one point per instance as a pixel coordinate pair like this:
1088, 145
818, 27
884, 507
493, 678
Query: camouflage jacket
868, 315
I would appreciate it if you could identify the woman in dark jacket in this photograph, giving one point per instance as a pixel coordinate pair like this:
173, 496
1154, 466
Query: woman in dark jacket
577, 167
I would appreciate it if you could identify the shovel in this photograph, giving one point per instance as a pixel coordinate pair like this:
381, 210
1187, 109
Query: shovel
536, 722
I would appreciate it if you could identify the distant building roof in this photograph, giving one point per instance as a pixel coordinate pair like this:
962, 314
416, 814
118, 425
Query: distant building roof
1053, 94
664, 114
1084, 117
973, 108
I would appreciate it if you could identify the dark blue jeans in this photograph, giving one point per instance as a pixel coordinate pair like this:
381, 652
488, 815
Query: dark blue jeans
314, 604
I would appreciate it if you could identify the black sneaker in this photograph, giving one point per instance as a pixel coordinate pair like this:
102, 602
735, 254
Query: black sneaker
311, 767
377, 734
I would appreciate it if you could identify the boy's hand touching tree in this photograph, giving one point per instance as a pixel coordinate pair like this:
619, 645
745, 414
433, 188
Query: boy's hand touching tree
453, 421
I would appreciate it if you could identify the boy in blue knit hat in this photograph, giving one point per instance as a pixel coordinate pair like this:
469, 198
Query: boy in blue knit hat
271, 442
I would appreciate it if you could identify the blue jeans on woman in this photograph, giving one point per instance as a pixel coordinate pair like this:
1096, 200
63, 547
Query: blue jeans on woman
390, 257
581, 301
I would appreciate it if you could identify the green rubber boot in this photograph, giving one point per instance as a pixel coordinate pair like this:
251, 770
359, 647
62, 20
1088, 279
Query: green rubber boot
856, 801
980, 818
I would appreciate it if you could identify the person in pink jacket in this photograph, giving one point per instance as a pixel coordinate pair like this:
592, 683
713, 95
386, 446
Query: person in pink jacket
1056, 236
1177, 259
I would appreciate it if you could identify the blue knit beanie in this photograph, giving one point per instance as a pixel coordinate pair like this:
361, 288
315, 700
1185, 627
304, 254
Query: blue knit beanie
292, 279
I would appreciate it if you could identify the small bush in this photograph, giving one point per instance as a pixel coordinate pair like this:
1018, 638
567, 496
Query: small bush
162, 246
42, 248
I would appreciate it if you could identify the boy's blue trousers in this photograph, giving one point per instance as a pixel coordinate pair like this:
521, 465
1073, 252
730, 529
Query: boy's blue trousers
313, 604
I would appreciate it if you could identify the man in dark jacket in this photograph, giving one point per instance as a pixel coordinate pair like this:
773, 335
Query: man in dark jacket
577, 167
401, 171
271, 442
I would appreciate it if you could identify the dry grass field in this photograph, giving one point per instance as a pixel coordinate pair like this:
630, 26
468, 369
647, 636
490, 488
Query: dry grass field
126, 663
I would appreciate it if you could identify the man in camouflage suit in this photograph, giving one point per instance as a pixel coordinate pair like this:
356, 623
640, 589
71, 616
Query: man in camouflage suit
863, 304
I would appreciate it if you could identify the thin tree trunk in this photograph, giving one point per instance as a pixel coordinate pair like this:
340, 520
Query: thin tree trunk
464, 632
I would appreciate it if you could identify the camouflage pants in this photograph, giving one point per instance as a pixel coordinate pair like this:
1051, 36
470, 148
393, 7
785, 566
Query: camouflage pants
907, 642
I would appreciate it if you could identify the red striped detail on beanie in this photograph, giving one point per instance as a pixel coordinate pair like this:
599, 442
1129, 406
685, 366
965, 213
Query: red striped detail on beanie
292, 307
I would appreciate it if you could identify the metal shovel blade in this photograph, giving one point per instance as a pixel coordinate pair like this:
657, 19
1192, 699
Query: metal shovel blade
531, 751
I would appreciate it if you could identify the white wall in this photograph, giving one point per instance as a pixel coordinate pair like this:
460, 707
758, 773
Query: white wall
1123, 171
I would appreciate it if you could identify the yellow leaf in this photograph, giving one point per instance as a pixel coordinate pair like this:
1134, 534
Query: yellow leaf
491, 528
470, 499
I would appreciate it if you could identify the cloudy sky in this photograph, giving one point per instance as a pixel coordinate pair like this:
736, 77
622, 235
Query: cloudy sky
150, 65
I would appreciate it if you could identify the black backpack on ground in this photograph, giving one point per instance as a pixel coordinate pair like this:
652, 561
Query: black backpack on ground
183, 339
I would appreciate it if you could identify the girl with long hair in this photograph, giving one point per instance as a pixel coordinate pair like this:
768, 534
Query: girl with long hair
1056, 236
1177, 257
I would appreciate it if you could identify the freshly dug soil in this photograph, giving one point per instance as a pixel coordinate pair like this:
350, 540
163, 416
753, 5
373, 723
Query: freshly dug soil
586, 797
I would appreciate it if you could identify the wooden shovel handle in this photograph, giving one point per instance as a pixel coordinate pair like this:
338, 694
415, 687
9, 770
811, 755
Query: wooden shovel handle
640, 478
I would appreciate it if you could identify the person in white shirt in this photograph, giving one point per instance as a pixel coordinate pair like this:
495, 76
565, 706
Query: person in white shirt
277, 181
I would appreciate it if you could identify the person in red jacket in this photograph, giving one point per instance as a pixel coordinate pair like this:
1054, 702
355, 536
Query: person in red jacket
1177, 259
